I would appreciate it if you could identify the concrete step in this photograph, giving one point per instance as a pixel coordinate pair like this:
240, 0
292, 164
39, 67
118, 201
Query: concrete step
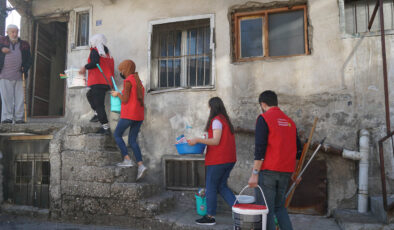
134, 191
353, 220
84, 208
78, 158
101, 174
89, 142
378, 211
154, 205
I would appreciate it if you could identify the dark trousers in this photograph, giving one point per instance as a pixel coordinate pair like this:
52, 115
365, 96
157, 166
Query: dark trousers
274, 185
96, 98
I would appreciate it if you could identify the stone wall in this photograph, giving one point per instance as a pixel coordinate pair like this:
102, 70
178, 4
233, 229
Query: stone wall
340, 82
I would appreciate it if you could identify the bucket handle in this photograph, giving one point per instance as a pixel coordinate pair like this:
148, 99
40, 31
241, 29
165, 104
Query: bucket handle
262, 193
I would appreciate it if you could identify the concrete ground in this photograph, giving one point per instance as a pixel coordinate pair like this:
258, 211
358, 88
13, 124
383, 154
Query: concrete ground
184, 219
9, 222
181, 220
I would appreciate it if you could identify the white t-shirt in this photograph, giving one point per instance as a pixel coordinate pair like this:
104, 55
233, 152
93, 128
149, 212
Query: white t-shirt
216, 124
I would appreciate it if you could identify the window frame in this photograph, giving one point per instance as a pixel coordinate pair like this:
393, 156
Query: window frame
211, 18
75, 13
238, 16
342, 24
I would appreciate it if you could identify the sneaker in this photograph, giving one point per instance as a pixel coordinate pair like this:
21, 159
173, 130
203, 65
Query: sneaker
125, 163
206, 220
7, 121
94, 119
20, 122
104, 131
141, 171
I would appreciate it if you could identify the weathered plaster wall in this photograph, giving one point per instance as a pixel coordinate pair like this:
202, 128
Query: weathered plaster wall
340, 82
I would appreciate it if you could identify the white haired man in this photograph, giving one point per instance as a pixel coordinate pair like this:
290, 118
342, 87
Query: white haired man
15, 58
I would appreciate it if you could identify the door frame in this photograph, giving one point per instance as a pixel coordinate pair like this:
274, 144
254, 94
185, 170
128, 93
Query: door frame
31, 86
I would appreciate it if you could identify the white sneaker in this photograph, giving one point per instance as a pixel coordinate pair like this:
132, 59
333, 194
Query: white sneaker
125, 163
141, 171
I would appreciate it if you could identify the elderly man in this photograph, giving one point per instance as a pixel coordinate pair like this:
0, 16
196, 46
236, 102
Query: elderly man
14, 59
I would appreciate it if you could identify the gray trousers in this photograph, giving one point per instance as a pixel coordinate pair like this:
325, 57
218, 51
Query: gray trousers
12, 99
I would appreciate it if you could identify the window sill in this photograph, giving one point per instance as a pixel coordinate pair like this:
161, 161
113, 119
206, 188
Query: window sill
367, 34
243, 60
78, 48
182, 89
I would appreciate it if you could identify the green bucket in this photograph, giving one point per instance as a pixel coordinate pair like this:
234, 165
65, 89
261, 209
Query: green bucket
201, 205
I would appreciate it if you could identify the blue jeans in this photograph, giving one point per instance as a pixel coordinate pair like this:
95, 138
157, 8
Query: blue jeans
123, 124
216, 182
274, 185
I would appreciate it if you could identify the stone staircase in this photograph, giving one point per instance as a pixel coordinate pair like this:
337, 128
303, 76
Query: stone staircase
94, 190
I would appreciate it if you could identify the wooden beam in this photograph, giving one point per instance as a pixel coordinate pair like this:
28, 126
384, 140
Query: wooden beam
31, 137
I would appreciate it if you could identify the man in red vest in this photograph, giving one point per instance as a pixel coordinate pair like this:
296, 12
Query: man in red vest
276, 149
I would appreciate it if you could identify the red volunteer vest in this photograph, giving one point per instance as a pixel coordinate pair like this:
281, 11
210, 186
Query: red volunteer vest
225, 151
282, 146
132, 109
94, 75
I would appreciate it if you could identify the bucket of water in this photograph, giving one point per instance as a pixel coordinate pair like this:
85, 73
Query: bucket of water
201, 205
250, 216
75, 80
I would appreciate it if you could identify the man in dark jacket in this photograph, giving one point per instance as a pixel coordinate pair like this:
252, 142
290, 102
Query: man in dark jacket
277, 150
15, 58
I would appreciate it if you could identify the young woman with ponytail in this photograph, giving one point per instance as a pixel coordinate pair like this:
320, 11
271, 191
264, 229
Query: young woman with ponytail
131, 115
219, 159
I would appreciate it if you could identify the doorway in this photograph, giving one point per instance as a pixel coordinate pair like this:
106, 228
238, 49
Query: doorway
50, 51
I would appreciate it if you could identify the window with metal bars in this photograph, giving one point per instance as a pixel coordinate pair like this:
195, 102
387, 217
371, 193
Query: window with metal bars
181, 55
82, 36
184, 174
27, 171
359, 12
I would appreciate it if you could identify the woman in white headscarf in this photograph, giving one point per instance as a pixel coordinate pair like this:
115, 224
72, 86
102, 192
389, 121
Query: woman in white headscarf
99, 85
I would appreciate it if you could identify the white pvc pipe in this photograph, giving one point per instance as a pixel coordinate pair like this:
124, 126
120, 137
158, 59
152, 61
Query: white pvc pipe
362, 157
363, 172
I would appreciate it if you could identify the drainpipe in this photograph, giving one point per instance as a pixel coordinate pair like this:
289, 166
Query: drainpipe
362, 157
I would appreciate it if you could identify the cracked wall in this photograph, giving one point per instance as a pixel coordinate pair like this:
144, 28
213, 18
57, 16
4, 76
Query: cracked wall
340, 82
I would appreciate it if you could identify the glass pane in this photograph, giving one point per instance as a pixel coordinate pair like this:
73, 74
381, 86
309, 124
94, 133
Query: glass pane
178, 42
191, 67
163, 74
42, 172
171, 44
251, 37
207, 61
286, 33
200, 41
191, 41
170, 73
388, 12
177, 71
207, 35
83, 29
362, 16
200, 71
163, 44
350, 26
23, 172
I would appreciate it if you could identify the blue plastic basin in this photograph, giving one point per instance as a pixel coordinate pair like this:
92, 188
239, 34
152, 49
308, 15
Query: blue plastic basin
185, 148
